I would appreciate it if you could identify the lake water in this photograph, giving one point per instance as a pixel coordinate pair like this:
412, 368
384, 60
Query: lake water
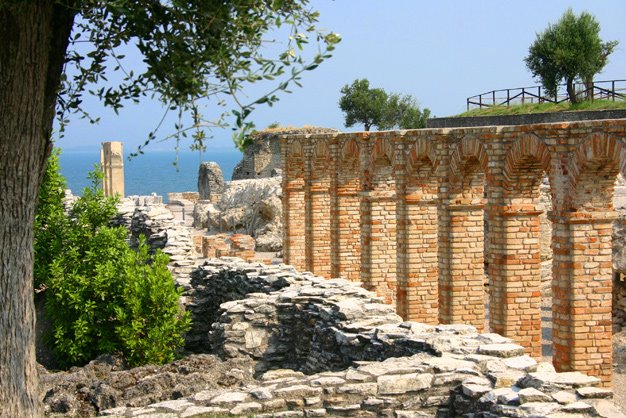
153, 172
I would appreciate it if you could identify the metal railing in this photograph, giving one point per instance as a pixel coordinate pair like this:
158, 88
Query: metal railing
600, 90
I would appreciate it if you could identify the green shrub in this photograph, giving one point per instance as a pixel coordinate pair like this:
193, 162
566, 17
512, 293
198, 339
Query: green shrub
104, 297
50, 220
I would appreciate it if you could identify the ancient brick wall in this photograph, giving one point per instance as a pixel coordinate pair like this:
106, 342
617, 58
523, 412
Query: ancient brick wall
404, 213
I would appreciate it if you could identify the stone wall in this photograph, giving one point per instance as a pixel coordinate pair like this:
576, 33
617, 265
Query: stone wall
404, 178
250, 207
330, 348
262, 157
147, 216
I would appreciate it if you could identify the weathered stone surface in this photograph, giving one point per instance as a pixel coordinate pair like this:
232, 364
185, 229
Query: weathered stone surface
552, 382
532, 395
388, 369
210, 181
403, 383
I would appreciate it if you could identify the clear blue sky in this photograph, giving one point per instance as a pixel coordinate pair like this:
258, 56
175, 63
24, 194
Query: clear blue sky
438, 51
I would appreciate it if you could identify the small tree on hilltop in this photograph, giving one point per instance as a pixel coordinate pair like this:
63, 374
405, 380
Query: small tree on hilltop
570, 49
375, 107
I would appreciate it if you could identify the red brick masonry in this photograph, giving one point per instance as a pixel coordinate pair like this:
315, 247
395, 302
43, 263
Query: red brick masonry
403, 212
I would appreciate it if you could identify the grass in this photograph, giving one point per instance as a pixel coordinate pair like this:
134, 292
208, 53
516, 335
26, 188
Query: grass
545, 107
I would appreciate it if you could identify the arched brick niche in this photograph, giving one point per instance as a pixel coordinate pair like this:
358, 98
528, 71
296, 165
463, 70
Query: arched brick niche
515, 239
318, 214
461, 283
418, 269
379, 245
406, 214
582, 277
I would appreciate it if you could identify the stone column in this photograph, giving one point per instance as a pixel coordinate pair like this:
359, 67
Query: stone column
581, 292
515, 274
112, 163
461, 273
210, 181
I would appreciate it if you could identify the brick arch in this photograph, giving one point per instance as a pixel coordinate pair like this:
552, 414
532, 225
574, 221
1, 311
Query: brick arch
321, 150
421, 165
592, 171
295, 151
320, 161
468, 168
420, 152
469, 149
350, 150
382, 150
524, 165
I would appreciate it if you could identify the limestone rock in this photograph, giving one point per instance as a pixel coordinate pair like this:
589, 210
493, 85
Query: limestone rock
210, 181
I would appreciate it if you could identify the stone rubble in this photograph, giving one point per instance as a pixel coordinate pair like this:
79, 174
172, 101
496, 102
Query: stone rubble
329, 348
146, 215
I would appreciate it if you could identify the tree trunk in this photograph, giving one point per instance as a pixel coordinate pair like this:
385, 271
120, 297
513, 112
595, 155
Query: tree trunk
571, 91
33, 42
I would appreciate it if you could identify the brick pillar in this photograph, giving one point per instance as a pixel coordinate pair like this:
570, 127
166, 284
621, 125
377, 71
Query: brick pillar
294, 244
461, 275
581, 292
348, 260
418, 272
515, 273
112, 163
379, 274
318, 221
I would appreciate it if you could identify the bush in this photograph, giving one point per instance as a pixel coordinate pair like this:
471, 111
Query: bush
50, 220
102, 296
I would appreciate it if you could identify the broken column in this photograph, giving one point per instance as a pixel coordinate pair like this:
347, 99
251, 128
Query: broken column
112, 162
210, 181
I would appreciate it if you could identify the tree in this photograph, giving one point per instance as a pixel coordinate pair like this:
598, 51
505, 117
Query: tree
362, 104
192, 50
403, 112
570, 49
375, 107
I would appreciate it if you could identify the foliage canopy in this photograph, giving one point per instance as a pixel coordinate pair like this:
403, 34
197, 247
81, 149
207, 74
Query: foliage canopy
192, 51
571, 49
375, 107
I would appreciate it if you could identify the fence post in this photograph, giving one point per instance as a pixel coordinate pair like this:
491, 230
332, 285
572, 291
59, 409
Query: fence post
613, 89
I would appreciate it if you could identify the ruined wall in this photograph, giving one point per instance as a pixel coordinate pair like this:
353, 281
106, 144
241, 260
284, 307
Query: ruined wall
262, 158
330, 348
418, 203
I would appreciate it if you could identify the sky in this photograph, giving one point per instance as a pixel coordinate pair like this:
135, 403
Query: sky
440, 52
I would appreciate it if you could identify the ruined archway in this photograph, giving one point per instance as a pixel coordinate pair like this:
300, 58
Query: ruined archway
418, 265
582, 274
461, 232
515, 245
379, 243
